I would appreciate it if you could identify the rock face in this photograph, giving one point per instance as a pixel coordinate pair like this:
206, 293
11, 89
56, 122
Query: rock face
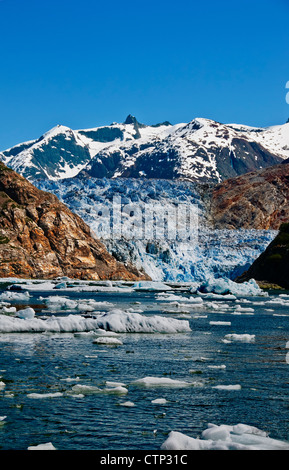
256, 200
41, 238
271, 268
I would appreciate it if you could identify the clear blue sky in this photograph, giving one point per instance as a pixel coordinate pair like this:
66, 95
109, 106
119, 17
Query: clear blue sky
89, 63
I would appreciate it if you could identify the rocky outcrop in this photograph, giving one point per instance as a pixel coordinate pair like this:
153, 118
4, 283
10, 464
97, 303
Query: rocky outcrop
256, 200
41, 238
271, 268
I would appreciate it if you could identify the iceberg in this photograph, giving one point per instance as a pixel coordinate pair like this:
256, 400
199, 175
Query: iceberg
117, 321
151, 286
26, 313
126, 322
46, 446
243, 338
14, 296
227, 286
162, 382
225, 437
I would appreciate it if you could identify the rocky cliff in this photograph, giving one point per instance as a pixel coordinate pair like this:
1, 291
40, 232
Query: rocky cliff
256, 200
41, 238
271, 268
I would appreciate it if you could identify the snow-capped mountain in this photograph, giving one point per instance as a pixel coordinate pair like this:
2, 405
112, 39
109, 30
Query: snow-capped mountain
202, 150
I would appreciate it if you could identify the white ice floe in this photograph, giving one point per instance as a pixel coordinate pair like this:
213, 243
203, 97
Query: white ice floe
119, 390
159, 401
228, 387
244, 338
162, 382
46, 446
115, 320
225, 437
247, 310
213, 296
26, 313
45, 395
220, 323
14, 296
95, 333
123, 322
227, 286
83, 390
2, 420
180, 298
110, 340
151, 286
7, 310
221, 366
57, 302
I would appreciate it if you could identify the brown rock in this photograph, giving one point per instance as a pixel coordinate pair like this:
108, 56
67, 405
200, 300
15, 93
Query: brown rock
41, 238
256, 200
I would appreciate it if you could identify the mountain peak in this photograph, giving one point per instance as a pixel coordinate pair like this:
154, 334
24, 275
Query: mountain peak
130, 119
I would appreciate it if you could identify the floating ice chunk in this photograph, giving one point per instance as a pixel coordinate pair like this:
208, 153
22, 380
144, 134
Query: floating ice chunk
128, 404
244, 338
161, 382
2, 420
213, 296
2, 385
58, 302
126, 322
61, 285
228, 387
115, 321
26, 313
94, 333
107, 340
15, 296
159, 401
45, 395
240, 309
278, 301
220, 323
71, 379
225, 437
222, 366
119, 390
179, 298
38, 286
151, 286
8, 309
69, 324
227, 286
46, 446
114, 384
85, 389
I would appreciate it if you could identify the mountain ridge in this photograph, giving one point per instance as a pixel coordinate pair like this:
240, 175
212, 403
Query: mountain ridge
201, 150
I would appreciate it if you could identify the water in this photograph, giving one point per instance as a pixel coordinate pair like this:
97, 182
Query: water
41, 363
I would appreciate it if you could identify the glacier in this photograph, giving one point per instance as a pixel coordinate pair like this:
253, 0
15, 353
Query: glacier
207, 255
